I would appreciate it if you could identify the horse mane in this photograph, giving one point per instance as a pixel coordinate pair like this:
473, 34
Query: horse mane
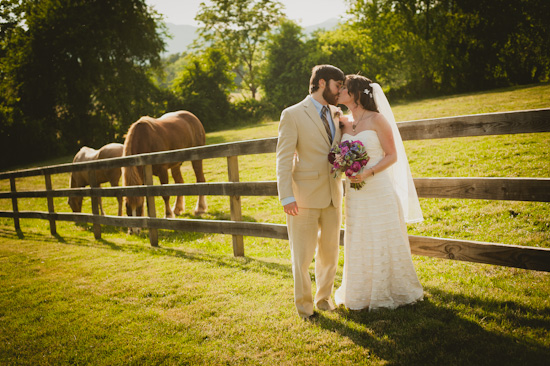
72, 182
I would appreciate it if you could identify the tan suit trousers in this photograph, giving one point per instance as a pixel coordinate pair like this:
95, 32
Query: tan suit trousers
313, 233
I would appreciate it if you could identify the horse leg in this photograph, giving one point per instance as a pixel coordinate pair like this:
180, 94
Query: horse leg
199, 174
179, 205
101, 207
163, 177
119, 199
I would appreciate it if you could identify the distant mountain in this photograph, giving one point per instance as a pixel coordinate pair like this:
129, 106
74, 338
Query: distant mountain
326, 25
184, 35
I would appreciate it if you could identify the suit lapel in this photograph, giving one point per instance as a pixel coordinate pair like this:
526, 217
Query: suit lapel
312, 113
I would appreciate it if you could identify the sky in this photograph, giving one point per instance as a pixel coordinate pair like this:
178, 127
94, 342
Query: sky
304, 12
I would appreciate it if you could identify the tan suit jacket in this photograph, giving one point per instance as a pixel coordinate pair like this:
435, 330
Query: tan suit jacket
303, 170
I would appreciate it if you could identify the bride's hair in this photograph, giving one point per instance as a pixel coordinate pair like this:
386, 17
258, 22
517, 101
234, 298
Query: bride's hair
359, 87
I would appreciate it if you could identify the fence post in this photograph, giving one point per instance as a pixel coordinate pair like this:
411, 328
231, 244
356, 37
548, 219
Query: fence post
14, 205
151, 210
235, 204
51, 209
95, 204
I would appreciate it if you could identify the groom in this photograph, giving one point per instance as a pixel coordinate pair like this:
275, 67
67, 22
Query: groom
310, 194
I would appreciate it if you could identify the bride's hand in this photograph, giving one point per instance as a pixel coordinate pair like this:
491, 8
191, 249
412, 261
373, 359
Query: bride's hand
357, 178
361, 176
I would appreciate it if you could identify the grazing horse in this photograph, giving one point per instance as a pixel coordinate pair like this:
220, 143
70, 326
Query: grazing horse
175, 130
82, 179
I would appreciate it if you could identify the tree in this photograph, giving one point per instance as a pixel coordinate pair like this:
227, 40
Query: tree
508, 40
423, 47
239, 28
76, 72
171, 67
203, 88
286, 73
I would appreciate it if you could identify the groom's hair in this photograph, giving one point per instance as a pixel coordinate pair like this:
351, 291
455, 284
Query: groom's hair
325, 72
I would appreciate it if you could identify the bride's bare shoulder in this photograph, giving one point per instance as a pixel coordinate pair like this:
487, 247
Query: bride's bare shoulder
379, 120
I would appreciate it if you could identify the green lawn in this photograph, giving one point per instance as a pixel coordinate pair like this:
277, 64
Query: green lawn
70, 299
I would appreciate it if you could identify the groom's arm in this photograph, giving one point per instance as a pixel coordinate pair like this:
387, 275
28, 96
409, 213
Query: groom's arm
286, 147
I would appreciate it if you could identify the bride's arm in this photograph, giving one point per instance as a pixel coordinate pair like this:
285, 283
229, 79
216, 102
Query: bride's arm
385, 135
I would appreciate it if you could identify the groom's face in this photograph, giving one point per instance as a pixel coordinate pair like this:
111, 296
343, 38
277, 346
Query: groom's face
332, 89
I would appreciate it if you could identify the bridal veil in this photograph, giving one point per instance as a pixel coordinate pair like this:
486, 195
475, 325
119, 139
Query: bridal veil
400, 172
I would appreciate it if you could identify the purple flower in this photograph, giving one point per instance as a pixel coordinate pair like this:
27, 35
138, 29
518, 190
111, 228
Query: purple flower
348, 157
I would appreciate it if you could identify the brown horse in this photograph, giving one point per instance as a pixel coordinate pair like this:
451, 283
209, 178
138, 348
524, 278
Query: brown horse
82, 179
175, 130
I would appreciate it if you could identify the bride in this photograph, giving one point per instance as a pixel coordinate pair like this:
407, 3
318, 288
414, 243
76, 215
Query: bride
378, 268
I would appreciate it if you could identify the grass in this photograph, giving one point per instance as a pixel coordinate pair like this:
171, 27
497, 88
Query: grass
69, 299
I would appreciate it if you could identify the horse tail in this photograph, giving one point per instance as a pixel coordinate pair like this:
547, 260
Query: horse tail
200, 132
197, 132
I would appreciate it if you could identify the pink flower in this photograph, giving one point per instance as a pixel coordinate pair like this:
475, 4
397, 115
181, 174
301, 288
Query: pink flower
348, 157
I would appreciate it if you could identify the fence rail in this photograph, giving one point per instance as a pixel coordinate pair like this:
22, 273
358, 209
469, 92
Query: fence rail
511, 189
519, 189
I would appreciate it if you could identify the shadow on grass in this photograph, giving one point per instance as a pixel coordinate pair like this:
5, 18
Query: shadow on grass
428, 333
215, 215
278, 270
105, 229
282, 271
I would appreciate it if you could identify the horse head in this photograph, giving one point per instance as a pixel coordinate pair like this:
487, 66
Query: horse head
75, 202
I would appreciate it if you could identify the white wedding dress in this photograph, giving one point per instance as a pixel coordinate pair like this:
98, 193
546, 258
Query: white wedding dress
378, 268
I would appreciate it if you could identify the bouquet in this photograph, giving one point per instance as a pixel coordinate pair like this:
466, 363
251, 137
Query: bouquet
349, 158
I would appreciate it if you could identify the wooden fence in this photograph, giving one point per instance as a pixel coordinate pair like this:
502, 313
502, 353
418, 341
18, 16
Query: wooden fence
518, 189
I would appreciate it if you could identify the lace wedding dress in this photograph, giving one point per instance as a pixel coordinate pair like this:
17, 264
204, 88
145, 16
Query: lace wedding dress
378, 268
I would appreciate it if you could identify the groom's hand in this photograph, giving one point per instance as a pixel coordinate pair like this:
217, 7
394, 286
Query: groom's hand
291, 209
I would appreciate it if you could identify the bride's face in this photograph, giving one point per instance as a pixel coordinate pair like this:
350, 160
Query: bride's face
344, 97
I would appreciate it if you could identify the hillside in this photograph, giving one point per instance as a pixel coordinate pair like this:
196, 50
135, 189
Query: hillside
183, 35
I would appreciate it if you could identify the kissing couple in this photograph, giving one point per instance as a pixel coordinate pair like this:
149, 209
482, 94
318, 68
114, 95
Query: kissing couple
380, 198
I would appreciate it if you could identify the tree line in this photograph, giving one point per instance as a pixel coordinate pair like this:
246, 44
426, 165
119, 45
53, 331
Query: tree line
79, 72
